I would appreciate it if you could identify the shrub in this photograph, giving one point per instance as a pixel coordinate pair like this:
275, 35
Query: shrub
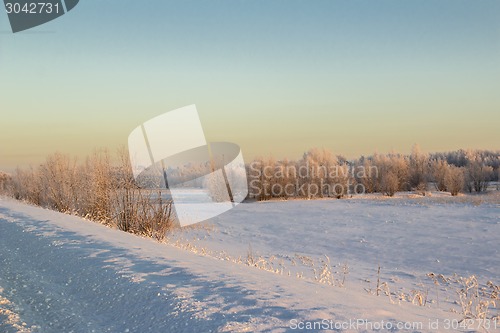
439, 170
418, 169
96, 190
477, 176
5, 180
454, 180
389, 183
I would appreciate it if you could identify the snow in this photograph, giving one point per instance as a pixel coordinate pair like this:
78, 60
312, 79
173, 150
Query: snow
60, 273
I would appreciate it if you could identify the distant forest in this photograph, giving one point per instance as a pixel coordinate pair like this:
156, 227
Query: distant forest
456, 171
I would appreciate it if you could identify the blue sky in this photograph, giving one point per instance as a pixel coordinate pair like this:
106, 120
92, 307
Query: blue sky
276, 77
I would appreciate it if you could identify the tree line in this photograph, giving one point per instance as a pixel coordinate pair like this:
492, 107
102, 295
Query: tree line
102, 187
99, 189
320, 173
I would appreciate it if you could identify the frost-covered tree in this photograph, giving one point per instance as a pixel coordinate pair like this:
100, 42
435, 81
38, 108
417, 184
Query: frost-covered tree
369, 175
395, 164
418, 169
96, 190
454, 179
96, 185
27, 186
478, 174
4, 178
217, 186
261, 178
389, 183
439, 171
320, 172
59, 176
478, 177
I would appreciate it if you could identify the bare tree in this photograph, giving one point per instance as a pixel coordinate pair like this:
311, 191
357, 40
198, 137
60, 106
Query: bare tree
367, 178
5, 179
98, 191
389, 183
27, 186
478, 174
95, 185
418, 169
392, 165
454, 179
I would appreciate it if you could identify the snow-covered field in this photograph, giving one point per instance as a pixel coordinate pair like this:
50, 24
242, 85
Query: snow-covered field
318, 261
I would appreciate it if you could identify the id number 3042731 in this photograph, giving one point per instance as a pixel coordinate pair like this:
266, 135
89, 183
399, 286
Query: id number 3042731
32, 8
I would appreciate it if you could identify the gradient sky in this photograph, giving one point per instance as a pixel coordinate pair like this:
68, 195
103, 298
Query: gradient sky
275, 76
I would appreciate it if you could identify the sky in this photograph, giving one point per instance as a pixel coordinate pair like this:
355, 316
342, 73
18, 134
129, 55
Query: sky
277, 77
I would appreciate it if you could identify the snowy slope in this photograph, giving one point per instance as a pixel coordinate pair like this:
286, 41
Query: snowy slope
63, 274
